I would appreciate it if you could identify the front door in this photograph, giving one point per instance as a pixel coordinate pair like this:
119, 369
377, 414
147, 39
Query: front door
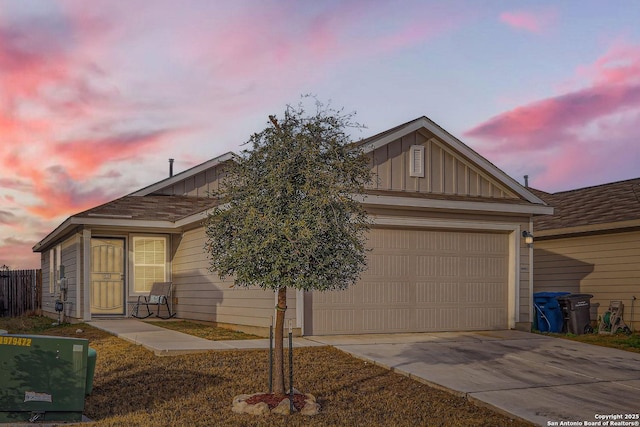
107, 276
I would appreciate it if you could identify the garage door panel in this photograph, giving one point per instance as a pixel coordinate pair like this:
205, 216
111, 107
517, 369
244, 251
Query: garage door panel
421, 280
372, 319
437, 292
484, 266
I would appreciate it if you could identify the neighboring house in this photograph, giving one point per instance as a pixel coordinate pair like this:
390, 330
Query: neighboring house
591, 245
447, 248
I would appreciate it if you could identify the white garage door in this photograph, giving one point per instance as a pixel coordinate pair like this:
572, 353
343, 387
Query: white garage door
421, 281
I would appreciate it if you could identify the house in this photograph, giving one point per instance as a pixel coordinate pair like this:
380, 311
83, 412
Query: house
447, 248
591, 245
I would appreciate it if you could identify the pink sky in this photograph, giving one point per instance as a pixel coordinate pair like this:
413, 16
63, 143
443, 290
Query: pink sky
96, 96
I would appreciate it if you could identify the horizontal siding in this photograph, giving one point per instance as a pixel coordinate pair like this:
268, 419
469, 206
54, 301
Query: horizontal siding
606, 266
68, 258
202, 295
525, 304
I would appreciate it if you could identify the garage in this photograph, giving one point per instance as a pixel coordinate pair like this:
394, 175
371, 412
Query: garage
421, 280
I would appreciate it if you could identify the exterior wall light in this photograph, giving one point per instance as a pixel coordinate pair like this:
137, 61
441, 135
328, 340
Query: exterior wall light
528, 238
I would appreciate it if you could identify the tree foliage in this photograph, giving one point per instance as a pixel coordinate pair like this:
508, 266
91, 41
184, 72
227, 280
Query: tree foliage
287, 216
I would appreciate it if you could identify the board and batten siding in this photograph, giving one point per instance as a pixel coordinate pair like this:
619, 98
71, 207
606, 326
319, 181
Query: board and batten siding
606, 266
202, 295
199, 185
446, 172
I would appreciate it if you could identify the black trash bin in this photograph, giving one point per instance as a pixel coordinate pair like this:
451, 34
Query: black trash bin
577, 313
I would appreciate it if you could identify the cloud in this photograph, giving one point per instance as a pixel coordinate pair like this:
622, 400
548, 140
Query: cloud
285, 45
16, 253
7, 218
84, 157
90, 90
564, 138
533, 22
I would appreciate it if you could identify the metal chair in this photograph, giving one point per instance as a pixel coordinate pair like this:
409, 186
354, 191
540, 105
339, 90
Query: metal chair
158, 296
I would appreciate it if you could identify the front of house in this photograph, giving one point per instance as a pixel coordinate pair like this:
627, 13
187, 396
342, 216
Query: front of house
447, 248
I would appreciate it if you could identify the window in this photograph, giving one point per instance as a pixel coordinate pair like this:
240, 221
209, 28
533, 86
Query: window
149, 262
416, 161
55, 256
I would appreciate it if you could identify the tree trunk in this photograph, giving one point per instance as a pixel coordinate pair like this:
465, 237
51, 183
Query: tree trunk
278, 371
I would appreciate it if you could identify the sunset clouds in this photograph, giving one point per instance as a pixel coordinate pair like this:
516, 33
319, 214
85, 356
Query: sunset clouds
531, 21
565, 138
95, 96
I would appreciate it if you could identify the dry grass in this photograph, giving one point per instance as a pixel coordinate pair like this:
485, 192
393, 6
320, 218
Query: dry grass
203, 330
135, 388
620, 341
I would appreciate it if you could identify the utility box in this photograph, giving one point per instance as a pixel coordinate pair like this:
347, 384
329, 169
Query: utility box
43, 378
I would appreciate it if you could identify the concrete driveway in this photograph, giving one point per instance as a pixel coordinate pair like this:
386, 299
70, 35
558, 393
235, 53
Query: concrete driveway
537, 378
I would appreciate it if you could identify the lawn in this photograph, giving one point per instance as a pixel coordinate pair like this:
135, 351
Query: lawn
134, 387
620, 341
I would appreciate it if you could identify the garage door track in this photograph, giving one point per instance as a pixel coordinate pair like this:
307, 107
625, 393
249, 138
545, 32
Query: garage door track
538, 378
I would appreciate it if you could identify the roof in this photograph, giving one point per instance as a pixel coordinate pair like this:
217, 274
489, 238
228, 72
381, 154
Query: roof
616, 204
151, 208
168, 213
146, 210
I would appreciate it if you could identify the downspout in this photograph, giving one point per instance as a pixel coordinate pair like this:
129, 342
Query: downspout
531, 275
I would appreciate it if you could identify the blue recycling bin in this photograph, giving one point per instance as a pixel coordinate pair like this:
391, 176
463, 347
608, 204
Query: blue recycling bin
549, 315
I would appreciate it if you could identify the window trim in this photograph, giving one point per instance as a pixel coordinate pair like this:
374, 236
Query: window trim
132, 262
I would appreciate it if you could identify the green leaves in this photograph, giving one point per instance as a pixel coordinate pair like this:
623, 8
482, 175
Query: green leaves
288, 218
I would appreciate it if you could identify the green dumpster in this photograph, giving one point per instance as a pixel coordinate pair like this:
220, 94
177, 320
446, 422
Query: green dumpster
44, 378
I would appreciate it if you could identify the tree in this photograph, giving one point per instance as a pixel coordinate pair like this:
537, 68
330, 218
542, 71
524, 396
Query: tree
287, 217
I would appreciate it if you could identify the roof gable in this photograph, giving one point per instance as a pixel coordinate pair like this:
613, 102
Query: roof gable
451, 167
191, 182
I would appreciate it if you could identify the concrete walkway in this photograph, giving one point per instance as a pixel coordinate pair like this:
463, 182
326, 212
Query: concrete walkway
165, 342
537, 378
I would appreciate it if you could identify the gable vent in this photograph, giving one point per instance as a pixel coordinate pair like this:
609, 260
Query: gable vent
416, 161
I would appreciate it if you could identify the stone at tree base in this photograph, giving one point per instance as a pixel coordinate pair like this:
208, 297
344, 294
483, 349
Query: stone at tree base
310, 408
258, 409
239, 407
241, 398
283, 408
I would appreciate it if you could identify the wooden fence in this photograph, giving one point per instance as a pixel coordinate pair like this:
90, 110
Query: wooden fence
20, 292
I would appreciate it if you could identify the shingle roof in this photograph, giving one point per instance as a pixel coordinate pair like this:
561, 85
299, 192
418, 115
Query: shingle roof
606, 203
151, 208
450, 197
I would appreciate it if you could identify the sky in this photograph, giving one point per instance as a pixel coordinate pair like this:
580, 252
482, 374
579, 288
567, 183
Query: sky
96, 96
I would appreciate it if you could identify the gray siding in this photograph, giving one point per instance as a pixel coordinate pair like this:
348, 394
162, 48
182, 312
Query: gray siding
201, 295
606, 266
199, 185
525, 304
70, 249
